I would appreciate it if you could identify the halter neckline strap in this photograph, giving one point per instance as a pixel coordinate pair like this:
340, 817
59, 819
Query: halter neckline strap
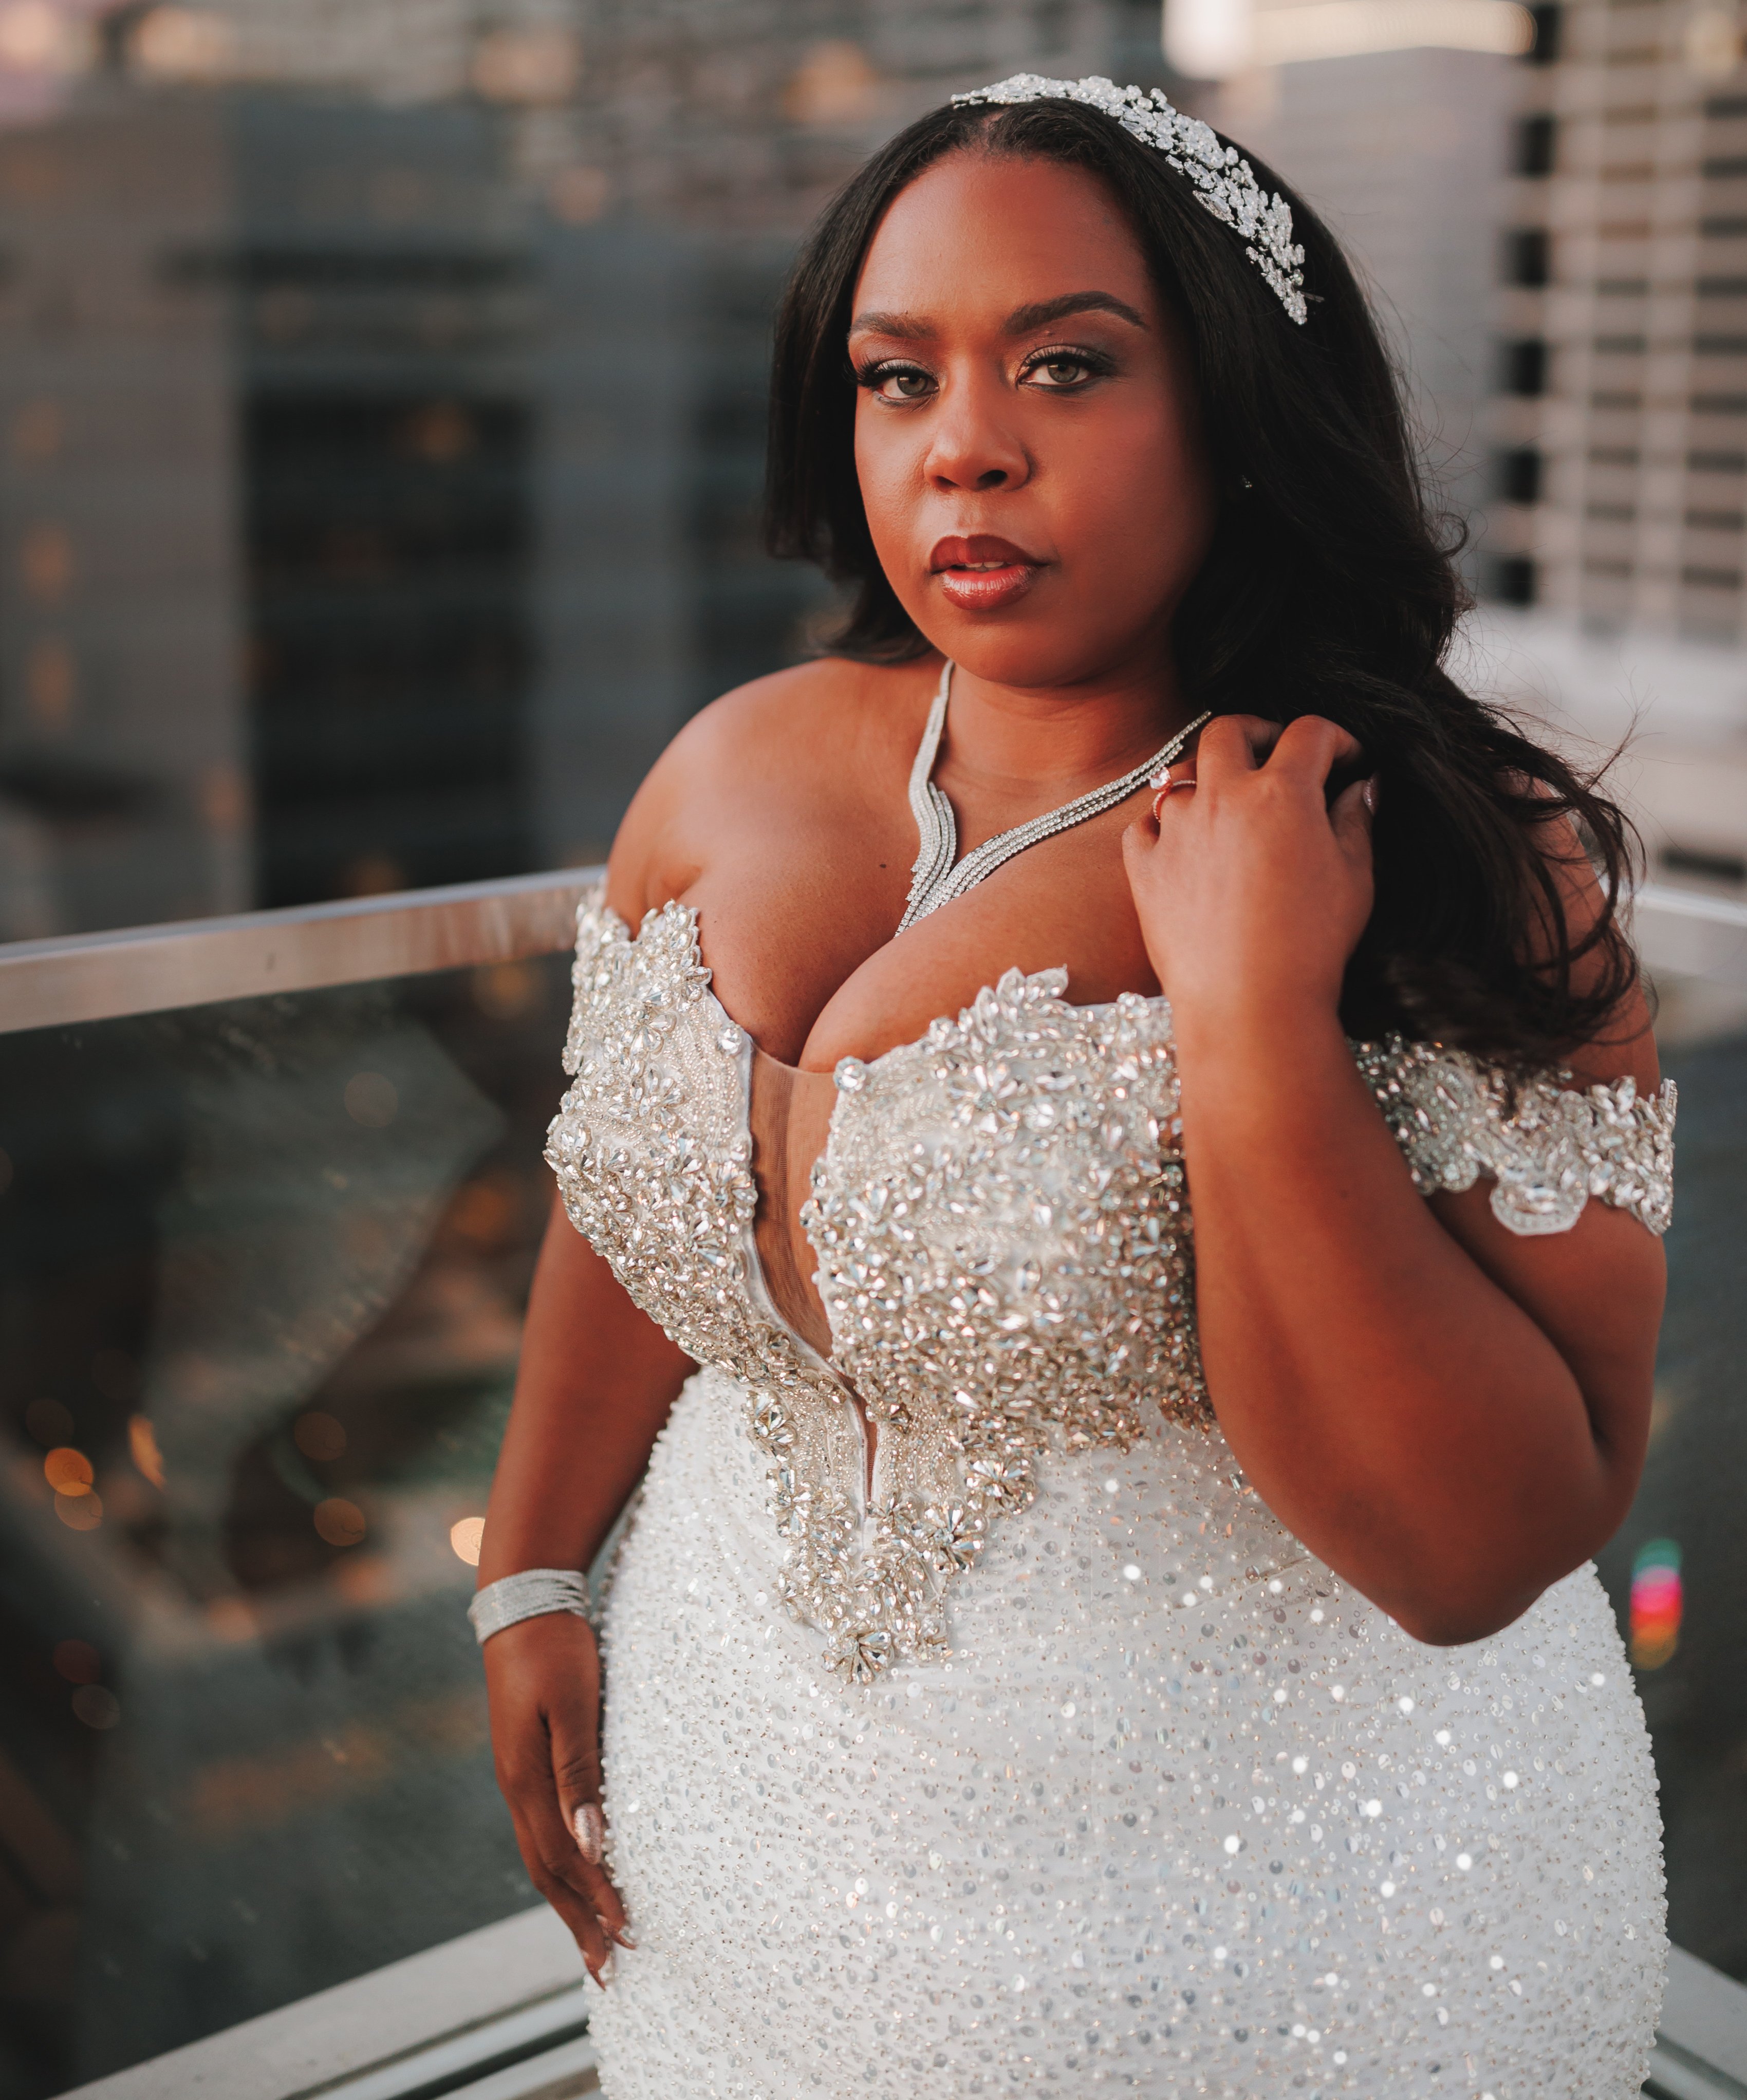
935, 880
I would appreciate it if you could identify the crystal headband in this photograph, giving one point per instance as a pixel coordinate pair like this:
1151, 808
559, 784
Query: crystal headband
1223, 182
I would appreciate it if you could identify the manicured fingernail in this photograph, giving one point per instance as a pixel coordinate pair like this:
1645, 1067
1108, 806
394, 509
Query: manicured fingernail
624, 1939
590, 1828
1368, 794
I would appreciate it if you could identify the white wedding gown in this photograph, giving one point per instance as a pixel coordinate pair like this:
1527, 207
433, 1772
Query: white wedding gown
1053, 1762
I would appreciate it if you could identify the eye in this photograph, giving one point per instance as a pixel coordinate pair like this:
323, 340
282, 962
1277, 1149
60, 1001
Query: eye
1064, 371
897, 382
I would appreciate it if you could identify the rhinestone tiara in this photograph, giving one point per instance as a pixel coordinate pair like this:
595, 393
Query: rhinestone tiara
1224, 181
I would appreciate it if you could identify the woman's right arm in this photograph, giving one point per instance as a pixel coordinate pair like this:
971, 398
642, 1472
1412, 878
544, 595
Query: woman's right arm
597, 1381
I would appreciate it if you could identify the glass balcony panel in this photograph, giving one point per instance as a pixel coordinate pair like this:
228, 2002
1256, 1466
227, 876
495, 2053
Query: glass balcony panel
1675, 1570
264, 1265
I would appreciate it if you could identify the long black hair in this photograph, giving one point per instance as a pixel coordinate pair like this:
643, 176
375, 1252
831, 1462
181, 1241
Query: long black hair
1330, 588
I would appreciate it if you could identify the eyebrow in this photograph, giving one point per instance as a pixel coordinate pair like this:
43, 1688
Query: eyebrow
913, 328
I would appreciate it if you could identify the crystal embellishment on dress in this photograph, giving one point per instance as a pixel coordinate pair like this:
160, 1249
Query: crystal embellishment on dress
1005, 1252
1549, 1148
1224, 183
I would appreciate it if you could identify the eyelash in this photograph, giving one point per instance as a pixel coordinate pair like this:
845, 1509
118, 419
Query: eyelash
1096, 362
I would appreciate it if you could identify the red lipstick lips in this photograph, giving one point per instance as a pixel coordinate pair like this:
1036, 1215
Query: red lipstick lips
982, 574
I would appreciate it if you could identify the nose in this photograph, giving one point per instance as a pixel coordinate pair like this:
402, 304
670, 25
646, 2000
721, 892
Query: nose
973, 444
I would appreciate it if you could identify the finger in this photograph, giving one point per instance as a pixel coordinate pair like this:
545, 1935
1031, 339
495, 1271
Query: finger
552, 1841
548, 1875
1314, 746
577, 1776
1350, 813
1139, 840
1178, 777
1234, 743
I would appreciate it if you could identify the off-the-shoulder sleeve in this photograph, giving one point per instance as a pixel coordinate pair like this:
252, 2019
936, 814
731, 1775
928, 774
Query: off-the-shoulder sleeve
1547, 1148
596, 928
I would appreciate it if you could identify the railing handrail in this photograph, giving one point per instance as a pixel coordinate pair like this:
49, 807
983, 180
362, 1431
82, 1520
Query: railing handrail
58, 983
61, 983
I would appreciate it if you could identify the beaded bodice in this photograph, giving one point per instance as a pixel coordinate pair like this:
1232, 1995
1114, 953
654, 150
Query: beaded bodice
1004, 1239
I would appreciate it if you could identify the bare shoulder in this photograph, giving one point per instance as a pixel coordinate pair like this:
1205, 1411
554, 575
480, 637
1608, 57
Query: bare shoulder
795, 736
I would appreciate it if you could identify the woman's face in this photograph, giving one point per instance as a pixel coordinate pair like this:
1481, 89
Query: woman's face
1026, 431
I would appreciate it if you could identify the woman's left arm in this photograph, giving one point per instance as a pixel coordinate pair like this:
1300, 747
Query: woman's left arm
1451, 1416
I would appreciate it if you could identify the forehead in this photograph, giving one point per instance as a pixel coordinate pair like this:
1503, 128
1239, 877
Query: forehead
987, 231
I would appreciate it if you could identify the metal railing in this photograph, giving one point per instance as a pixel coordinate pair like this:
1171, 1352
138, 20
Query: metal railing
197, 962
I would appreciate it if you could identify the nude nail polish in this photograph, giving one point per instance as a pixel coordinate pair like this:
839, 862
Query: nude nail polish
590, 1831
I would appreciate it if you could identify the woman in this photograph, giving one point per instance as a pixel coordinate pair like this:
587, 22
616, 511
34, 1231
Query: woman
1042, 1657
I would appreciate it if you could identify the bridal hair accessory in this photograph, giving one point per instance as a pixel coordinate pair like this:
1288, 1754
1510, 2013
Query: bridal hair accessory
1223, 182
529, 1595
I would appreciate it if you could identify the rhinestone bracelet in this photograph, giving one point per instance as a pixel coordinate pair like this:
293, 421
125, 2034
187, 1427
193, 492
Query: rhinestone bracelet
529, 1596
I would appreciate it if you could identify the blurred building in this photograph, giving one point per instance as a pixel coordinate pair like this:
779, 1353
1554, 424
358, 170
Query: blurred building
1401, 151
1622, 419
1614, 538
384, 394
268, 505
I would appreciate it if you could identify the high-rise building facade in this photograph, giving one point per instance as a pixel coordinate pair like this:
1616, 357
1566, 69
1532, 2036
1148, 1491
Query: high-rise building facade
1621, 424
1613, 536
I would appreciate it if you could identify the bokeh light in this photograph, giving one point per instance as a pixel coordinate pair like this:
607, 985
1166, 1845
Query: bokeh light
371, 1100
142, 1443
95, 1707
1657, 1602
340, 1522
79, 1512
318, 1437
67, 1472
466, 1538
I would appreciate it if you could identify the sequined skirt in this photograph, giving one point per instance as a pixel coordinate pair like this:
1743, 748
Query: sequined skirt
1182, 1814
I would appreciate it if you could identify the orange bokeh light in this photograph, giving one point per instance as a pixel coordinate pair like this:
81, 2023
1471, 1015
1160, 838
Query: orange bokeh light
67, 1472
340, 1522
466, 1538
80, 1512
143, 1442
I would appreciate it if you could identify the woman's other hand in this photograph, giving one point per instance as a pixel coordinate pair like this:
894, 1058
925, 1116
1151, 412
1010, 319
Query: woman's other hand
543, 1681
1252, 885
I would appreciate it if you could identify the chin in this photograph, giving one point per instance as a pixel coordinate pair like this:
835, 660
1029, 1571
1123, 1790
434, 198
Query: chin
1020, 649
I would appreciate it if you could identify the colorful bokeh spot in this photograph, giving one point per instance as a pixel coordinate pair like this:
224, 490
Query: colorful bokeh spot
1655, 1603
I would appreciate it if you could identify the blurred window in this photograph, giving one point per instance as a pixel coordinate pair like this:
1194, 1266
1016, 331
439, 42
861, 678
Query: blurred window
1535, 141
1525, 366
1514, 581
1528, 256
1520, 474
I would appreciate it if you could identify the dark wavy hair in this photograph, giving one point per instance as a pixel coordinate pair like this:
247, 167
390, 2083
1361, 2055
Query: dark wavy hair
1330, 588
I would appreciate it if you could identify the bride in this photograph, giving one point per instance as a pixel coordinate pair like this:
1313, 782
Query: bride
1051, 1650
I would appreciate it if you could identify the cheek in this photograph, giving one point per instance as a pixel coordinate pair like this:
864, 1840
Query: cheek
1136, 486
886, 476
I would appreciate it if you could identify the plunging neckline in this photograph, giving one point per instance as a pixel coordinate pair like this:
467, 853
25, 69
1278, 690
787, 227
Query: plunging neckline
746, 1047
939, 877
758, 1285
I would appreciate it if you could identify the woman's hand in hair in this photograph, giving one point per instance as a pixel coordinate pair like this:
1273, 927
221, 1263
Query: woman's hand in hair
1254, 885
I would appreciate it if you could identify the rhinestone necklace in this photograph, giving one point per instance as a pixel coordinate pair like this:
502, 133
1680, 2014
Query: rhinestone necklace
934, 880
